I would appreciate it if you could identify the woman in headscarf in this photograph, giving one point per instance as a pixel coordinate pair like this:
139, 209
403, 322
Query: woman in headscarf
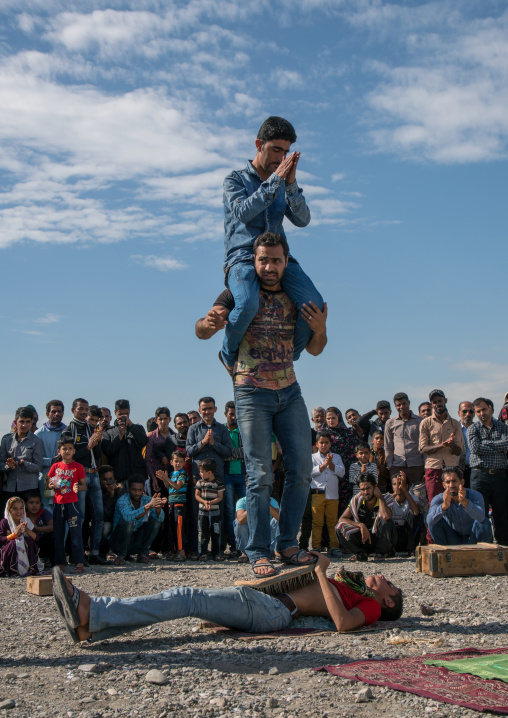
19, 552
343, 444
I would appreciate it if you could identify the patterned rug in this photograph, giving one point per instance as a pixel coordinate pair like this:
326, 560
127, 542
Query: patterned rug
438, 683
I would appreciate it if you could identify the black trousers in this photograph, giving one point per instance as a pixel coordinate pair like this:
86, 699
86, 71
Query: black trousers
176, 526
494, 489
210, 527
383, 541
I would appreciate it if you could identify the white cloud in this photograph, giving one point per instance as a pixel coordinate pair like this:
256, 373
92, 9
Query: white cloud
30, 332
448, 103
163, 264
48, 319
338, 176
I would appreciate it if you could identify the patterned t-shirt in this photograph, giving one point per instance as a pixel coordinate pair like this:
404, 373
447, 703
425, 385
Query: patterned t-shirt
265, 355
209, 491
68, 475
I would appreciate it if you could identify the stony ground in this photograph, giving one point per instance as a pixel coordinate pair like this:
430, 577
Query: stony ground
43, 674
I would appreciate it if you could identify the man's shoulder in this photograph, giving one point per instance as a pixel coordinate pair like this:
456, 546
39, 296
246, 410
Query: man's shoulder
241, 174
438, 499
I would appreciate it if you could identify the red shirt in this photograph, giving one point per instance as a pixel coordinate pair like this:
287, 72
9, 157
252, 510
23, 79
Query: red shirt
69, 476
368, 606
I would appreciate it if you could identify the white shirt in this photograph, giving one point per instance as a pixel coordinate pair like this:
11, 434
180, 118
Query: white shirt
327, 479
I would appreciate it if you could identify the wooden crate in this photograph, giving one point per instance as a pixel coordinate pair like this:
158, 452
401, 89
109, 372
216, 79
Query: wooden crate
40, 585
481, 559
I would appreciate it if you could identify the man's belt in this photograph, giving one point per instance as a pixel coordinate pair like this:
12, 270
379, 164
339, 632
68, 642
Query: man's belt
289, 604
494, 471
318, 491
90, 471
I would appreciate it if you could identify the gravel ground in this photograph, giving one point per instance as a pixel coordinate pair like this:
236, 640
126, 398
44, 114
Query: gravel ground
43, 674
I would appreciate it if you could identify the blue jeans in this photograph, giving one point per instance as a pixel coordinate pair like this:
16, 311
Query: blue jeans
47, 501
233, 484
243, 282
494, 489
259, 413
242, 535
93, 498
442, 533
66, 517
237, 607
125, 540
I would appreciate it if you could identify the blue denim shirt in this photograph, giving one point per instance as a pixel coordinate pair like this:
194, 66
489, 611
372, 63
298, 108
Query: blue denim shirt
126, 511
459, 518
252, 207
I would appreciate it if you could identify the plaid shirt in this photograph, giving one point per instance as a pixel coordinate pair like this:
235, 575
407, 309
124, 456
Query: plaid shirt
488, 446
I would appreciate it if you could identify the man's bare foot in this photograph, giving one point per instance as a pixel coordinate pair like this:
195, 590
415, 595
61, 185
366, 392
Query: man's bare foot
83, 611
263, 567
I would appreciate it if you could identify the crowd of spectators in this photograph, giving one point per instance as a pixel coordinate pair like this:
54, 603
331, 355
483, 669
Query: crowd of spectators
101, 490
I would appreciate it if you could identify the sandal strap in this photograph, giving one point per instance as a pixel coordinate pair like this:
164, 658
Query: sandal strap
75, 597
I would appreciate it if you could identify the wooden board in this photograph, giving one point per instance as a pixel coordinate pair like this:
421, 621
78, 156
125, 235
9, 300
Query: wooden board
40, 585
477, 560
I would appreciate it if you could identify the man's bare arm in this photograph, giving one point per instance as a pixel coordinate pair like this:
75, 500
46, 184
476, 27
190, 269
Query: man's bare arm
213, 322
316, 319
344, 619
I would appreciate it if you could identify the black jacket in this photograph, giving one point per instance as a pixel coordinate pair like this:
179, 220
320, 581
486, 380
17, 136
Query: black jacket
126, 456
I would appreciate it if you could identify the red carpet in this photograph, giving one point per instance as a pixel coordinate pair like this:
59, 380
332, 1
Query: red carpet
412, 676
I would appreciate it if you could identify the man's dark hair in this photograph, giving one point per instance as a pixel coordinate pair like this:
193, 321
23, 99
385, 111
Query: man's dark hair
208, 465
424, 403
366, 478
179, 453
276, 128
205, 400
105, 408
63, 440
361, 445
452, 470
151, 424
323, 435
54, 402
162, 410
77, 401
399, 396
104, 469
136, 479
121, 404
94, 410
348, 410
383, 404
378, 431
393, 613
180, 415
482, 400
24, 413
271, 239
229, 405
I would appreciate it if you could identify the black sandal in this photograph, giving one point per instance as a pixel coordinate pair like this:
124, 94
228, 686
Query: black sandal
294, 559
268, 564
67, 605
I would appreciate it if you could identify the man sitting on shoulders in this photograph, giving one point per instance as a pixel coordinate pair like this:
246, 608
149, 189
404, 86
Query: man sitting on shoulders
457, 516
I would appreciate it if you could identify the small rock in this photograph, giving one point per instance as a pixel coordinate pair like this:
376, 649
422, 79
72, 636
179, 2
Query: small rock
364, 695
219, 702
427, 610
10, 676
272, 702
9, 703
88, 667
157, 677
112, 692
273, 671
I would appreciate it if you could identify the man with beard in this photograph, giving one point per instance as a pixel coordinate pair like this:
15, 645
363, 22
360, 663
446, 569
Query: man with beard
268, 399
49, 433
457, 515
466, 415
442, 442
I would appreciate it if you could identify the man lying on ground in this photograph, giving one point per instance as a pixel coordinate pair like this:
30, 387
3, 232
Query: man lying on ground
348, 599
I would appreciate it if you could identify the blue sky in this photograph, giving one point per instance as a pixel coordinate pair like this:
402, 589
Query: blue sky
119, 122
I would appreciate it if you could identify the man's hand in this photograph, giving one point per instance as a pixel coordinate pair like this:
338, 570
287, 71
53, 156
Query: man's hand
447, 499
215, 320
122, 426
154, 503
365, 534
292, 172
285, 166
449, 440
377, 492
462, 495
315, 318
11, 463
322, 563
208, 438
